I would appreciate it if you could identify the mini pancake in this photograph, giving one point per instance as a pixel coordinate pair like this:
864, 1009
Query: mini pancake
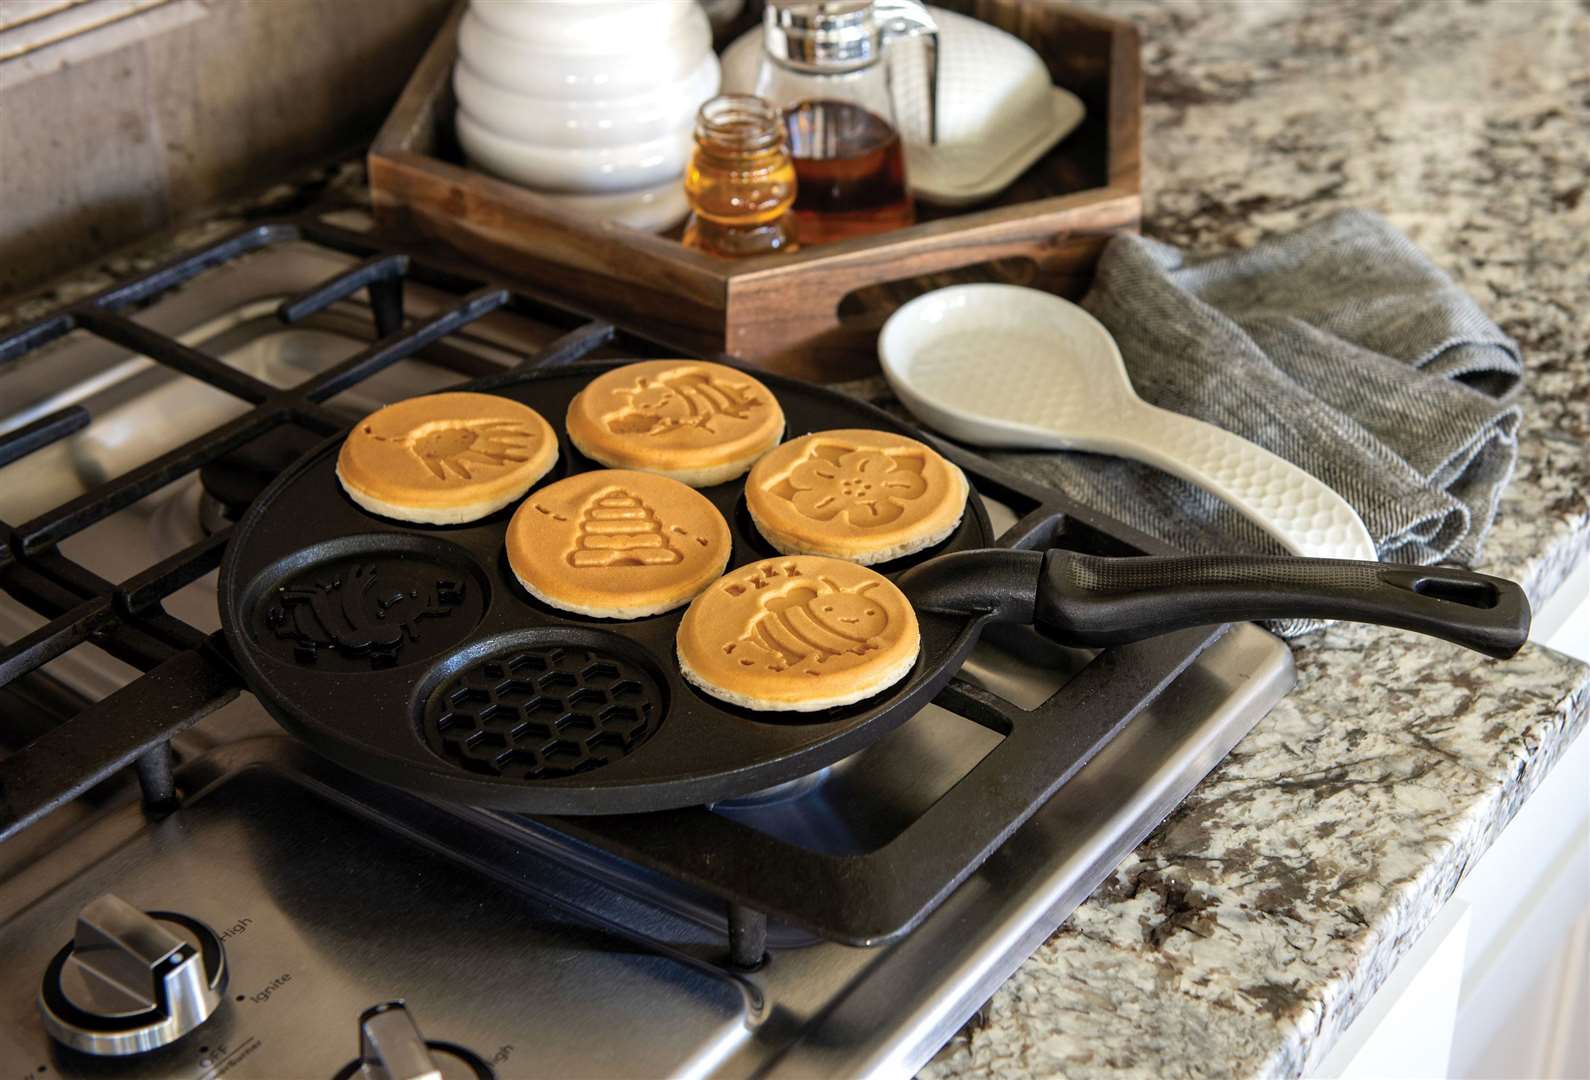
699, 423
447, 458
798, 633
865, 496
617, 544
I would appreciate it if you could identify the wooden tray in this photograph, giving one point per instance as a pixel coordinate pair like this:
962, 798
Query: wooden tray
814, 313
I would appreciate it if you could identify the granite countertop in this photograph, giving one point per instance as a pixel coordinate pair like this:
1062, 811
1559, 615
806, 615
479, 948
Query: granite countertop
1246, 933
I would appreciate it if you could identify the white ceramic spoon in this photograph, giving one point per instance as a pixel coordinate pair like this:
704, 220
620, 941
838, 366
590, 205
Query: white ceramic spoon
1002, 365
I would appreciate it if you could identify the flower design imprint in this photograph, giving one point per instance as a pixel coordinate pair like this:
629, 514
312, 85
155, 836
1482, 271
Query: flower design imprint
865, 486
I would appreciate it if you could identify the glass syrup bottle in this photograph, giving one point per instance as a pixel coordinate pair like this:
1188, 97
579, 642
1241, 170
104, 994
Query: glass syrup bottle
741, 182
823, 66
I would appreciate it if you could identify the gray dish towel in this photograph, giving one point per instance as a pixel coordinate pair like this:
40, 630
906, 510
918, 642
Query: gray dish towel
1341, 348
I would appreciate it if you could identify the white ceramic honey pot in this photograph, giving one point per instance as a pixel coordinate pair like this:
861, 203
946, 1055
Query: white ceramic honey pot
589, 102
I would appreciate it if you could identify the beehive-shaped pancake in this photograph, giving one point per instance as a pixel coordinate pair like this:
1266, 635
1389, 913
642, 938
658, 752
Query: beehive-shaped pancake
617, 544
618, 529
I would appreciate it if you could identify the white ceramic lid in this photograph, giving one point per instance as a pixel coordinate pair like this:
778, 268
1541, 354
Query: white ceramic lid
589, 26
634, 65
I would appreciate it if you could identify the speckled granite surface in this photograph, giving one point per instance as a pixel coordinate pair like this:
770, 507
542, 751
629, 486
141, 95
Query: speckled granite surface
1249, 930
1253, 925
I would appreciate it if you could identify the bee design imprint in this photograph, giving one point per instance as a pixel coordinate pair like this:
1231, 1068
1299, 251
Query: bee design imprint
804, 622
864, 485
682, 398
360, 611
456, 447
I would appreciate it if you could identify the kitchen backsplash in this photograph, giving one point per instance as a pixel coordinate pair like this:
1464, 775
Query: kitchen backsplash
110, 130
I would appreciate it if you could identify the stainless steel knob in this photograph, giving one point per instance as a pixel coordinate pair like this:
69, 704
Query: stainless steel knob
130, 981
392, 1048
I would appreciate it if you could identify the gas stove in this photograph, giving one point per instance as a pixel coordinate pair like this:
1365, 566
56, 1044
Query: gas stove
186, 890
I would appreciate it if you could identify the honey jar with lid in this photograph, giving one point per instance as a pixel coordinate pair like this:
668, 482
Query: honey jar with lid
741, 181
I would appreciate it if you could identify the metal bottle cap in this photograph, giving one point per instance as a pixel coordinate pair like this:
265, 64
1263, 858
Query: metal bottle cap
829, 35
832, 37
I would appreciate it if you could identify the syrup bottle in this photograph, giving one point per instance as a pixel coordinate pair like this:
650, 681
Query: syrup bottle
823, 66
740, 183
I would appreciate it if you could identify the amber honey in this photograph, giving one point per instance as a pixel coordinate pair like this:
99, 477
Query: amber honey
850, 167
741, 183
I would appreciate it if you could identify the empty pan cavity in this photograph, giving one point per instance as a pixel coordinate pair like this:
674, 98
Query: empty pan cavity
366, 603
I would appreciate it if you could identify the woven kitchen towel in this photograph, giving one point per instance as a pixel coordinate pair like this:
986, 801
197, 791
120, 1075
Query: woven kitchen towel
1341, 348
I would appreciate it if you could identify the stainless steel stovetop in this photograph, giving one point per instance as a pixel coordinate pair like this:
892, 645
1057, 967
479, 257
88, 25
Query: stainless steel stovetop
330, 894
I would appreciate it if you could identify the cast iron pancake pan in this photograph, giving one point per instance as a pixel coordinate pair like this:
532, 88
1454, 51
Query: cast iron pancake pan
410, 654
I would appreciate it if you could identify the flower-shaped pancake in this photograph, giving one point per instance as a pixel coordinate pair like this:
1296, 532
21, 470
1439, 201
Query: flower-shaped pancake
866, 496
867, 485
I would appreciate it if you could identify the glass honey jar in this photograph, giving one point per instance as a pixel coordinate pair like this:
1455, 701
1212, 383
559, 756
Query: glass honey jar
741, 181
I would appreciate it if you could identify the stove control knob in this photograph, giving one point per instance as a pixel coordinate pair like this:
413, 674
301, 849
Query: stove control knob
392, 1048
131, 980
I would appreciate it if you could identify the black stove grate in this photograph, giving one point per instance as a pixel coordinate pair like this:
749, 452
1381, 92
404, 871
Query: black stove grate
862, 899
187, 672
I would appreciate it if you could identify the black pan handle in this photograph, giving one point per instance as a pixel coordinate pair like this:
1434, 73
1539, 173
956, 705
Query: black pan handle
1090, 600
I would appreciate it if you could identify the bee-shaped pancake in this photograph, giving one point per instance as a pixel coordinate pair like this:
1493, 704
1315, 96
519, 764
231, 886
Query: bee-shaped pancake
798, 633
692, 421
813, 623
684, 396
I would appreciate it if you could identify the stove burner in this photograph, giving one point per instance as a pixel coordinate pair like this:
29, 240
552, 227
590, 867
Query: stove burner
778, 793
538, 712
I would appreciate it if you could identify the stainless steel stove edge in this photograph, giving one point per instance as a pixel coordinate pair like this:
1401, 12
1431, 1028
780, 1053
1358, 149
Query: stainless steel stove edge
823, 1009
935, 980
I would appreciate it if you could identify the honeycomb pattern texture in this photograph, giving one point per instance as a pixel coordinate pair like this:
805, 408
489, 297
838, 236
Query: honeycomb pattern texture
544, 712
1291, 505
